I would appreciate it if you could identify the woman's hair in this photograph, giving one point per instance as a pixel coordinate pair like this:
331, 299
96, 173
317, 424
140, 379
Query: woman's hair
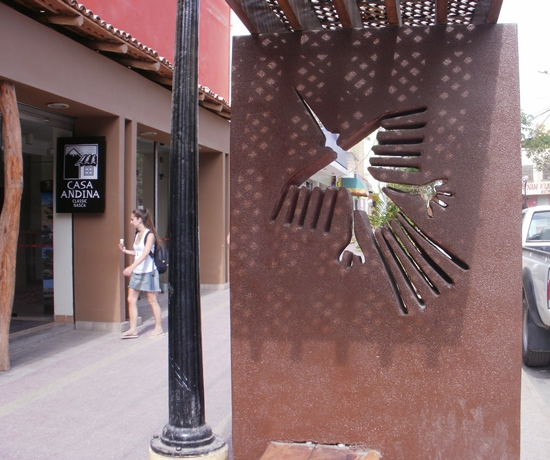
147, 220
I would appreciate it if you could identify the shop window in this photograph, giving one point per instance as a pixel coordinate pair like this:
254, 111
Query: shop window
527, 170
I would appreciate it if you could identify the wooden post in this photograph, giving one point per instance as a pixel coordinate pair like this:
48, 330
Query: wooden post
9, 217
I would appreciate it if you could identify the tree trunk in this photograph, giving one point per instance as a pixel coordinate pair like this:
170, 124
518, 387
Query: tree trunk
9, 217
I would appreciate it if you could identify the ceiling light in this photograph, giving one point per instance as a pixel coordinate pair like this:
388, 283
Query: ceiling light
58, 105
148, 133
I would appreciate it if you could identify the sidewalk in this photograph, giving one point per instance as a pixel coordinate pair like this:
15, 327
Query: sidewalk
76, 394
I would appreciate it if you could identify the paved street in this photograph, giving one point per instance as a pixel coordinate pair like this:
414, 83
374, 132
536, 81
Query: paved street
535, 414
89, 395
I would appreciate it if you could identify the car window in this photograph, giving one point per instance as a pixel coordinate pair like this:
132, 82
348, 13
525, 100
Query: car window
539, 229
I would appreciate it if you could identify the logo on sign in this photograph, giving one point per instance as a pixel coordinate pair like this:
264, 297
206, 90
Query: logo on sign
81, 175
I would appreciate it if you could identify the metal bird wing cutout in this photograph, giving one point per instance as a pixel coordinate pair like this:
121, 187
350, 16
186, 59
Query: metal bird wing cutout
400, 345
430, 152
418, 268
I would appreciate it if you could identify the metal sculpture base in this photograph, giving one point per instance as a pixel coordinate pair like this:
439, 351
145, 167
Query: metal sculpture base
216, 450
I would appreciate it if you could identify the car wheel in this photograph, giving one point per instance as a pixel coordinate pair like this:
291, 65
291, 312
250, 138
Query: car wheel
531, 358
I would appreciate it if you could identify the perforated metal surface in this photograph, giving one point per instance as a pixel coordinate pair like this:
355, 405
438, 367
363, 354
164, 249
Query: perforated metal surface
373, 13
414, 351
279, 13
271, 15
327, 14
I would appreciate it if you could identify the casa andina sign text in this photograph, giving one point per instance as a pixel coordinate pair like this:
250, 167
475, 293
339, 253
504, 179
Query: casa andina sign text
80, 175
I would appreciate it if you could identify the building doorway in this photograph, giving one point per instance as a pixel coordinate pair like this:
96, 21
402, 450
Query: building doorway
153, 186
34, 281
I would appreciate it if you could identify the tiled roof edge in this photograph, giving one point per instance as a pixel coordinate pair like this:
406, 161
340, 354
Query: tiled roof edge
116, 32
119, 33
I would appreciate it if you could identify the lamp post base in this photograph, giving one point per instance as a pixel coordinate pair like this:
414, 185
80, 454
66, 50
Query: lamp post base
216, 450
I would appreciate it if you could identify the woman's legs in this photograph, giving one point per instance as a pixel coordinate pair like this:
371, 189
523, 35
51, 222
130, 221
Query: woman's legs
152, 298
132, 311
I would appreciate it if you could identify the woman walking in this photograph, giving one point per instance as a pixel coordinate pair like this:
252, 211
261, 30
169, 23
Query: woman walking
144, 275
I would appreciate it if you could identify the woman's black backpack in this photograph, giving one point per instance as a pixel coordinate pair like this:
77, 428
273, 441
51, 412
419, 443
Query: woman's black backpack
160, 257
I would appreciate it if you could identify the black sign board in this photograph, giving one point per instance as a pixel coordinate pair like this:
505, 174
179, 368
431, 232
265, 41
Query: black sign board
80, 183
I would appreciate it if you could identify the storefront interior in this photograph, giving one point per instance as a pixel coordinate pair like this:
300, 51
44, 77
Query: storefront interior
34, 282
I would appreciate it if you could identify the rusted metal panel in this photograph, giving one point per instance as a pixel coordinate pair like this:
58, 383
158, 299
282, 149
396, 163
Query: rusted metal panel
415, 350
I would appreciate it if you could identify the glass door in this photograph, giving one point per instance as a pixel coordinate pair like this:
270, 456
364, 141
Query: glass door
34, 280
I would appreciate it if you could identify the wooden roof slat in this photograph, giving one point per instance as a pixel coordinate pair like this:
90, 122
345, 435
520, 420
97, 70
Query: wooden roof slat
305, 14
349, 13
494, 11
224, 114
441, 11
98, 35
64, 20
143, 65
166, 81
483, 10
394, 12
343, 14
335, 14
260, 15
39, 6
290, 15
110, 47
242, 16
209, 105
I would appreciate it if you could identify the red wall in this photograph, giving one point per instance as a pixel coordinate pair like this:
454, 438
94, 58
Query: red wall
214, 46
153, 23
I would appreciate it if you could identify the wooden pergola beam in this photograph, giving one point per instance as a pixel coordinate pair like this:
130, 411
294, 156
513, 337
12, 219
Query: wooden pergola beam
394, 12
11, 210
494, 11
343, 14
441, 9
242, 16
290, 15
348, 13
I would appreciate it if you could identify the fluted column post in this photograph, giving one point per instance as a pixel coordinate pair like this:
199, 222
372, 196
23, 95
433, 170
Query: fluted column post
186, 434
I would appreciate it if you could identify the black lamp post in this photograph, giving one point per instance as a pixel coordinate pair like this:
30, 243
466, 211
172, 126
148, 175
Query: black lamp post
186, 434
524, 180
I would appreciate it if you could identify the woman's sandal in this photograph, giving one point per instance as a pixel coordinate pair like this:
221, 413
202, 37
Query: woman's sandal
129, 336
151, 335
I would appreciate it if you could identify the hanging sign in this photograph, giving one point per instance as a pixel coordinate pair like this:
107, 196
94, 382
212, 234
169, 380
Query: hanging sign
80, 183
537, 188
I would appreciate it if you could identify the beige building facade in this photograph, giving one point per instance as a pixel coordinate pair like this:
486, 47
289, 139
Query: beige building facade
65, 89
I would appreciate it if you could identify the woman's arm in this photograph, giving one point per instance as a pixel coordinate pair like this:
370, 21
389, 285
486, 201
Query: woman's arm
124, 250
